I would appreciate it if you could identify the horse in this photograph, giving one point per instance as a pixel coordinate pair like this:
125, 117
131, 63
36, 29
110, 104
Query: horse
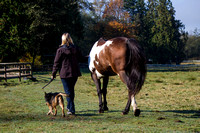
118, 56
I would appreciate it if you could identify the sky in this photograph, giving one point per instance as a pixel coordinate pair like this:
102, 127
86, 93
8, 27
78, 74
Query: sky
188, 12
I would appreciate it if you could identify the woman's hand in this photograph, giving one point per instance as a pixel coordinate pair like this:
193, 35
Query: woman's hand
53, 77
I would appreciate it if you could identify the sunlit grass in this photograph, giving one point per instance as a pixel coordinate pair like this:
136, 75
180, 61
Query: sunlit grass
169, 102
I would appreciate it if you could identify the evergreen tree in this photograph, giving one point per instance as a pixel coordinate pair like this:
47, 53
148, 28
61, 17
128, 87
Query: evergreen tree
36, 27
138, 13
49, 20
157, 30
12, 30
149, 21
166, 33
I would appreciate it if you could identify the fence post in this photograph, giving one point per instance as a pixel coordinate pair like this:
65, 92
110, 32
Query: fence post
5, 74
20, 72
31, 71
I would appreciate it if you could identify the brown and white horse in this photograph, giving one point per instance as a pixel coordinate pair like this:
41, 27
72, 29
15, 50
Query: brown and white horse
118, 56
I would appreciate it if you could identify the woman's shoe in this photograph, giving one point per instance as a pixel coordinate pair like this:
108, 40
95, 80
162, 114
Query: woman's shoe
70, 113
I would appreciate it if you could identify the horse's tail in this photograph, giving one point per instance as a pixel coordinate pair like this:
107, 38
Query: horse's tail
136, 63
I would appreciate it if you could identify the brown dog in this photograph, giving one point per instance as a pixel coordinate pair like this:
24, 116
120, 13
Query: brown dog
54, 99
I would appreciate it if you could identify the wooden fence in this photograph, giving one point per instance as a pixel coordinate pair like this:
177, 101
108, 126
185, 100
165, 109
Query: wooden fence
150, 67
15, 70
19, 70
170, 67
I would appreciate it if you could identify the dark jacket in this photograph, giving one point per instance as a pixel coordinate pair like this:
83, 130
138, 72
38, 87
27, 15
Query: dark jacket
66, 61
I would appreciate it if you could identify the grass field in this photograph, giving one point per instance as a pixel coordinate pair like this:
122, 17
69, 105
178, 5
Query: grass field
169, 101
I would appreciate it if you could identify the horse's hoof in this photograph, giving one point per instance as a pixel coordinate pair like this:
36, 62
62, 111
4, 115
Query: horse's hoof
101, 111
137, 112
105, 109
124, 113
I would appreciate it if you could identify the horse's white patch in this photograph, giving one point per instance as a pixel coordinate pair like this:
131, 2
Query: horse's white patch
133, 103
99, 75
95, 52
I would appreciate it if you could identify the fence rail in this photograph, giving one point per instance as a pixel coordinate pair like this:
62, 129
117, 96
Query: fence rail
19, 70
170, 67
15, 70
150, 67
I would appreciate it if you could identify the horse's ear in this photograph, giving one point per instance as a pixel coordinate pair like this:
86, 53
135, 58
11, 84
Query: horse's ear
101, 41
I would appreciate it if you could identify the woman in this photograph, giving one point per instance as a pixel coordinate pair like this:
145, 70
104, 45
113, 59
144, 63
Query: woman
66, 61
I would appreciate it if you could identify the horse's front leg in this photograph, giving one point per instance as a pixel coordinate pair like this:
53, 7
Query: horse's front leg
98, 86
104, 91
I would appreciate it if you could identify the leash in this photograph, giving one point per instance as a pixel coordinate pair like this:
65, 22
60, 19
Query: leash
48, 83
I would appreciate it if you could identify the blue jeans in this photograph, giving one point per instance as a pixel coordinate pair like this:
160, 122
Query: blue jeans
68, 84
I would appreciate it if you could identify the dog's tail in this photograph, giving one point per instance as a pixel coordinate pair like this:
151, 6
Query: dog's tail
60, 94
63, 94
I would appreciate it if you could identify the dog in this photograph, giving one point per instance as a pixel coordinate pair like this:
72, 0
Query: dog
54, 99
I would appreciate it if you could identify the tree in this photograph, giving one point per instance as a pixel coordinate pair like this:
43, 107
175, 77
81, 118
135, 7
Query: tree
49, 20
138, 14
38, 24
36, 27
157, 30
192, 48
12, 30
99, 6
117, 20
114, 11
149, 21
166, 32
116, 29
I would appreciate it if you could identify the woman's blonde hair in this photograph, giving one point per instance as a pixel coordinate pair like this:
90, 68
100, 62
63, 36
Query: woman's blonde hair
66, 39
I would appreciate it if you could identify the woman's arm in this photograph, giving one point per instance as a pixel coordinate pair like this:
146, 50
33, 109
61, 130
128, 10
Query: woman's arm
57, 63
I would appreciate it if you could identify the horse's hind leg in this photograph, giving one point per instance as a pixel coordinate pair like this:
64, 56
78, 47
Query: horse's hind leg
104, 91
131, 101
127, 108
98, 86
134, 104
131, 98
124, 79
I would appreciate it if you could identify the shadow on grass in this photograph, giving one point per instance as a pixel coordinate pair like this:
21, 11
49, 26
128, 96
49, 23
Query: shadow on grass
83, 115
181, 113
90, 114
39, 79
43, 117
193, 113
36, 117
7, 84
96, 111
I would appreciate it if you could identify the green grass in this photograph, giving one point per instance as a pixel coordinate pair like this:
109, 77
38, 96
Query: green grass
169, 101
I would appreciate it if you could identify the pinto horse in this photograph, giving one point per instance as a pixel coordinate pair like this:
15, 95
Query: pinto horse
118, 56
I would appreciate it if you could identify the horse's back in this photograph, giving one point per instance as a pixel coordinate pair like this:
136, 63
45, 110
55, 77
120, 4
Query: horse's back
108, 57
